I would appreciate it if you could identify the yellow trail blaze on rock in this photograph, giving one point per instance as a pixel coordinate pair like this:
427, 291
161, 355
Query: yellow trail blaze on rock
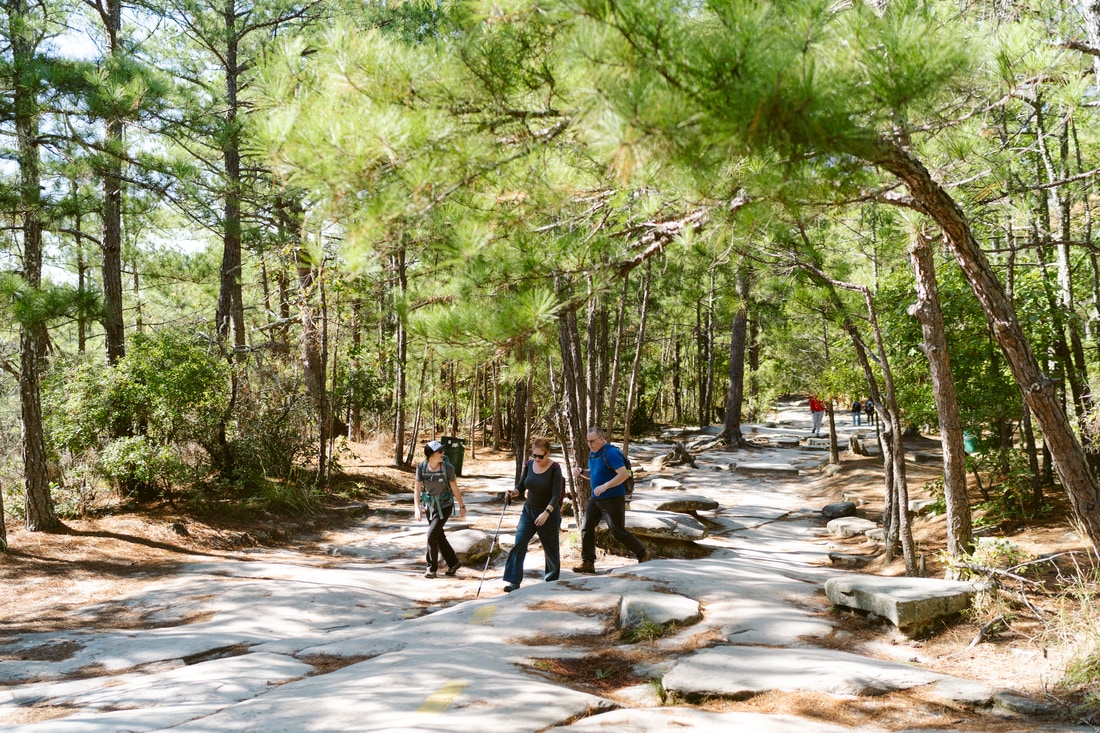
442, 698
482, 616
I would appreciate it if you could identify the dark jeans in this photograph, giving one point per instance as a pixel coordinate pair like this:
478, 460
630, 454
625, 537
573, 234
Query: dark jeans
437, 541
612, 509
548, 536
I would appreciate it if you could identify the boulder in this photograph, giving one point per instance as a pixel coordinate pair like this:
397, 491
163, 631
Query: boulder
664, 484
911, 604
470, 545
667, 525
921, 506
682, 503
845, 560
850, 526
639, 607
838, 510
742, 671
765, 468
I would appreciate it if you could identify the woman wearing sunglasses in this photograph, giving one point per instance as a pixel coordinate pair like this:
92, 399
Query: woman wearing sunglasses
542, 484
434, 495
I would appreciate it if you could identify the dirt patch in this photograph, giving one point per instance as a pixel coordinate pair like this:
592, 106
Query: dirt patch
325, 663
905, 710
600, 673
54, 652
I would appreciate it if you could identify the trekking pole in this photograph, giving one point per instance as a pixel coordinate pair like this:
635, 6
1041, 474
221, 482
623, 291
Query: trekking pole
489, 557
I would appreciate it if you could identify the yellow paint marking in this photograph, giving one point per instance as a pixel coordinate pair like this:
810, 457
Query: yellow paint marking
482, 616
441, 699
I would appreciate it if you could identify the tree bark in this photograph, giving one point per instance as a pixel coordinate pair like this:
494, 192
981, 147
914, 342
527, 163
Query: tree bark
38, 502
400, 286
497, 439
632, 389
617, 359
114, 331
1039, 392
573, 390
927, 311
735, 396
312, 351
230, 312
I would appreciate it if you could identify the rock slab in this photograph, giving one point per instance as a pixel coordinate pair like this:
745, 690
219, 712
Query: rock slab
741, 671
637, 608
911, 604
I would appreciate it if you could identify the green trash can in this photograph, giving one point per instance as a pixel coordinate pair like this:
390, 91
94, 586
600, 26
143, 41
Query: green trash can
970, 442
454, 449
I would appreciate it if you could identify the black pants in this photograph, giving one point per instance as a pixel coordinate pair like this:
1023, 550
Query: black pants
437, 540
613, 509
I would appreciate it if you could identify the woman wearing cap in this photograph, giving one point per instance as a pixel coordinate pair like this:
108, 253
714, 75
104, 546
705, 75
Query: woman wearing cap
543, 483
437, 490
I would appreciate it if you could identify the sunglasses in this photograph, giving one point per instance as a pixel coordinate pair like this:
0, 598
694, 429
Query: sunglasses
539, 456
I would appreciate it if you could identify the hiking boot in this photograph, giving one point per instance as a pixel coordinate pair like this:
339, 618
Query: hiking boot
429, 574
452, 570
510, 587
585, 567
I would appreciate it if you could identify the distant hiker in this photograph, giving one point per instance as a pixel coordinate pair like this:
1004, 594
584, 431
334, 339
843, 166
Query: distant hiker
607, 472
869, 411
543, 484
437, 490
857, 412
817, 412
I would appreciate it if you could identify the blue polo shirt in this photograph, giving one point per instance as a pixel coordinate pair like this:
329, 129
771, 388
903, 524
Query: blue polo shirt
601, 471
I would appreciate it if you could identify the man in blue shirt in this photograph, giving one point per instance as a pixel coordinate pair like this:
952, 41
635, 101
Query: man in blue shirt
606, 473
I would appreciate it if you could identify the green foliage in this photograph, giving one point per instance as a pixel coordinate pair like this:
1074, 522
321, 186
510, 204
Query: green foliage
984, 388
138, 461
990, 552
173, 387
644, 631
272, 437
132, 421
1007, 479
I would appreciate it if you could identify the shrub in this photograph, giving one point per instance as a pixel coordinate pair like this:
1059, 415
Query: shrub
138, 463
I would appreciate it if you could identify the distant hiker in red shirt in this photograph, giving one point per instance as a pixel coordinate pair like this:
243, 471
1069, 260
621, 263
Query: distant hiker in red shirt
817, 412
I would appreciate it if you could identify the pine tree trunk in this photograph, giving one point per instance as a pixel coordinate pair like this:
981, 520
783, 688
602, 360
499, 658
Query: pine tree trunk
894, 520
597, 357
111, 245
573, 389
3, 524
834, 449
473, 415
230, 311
897, 447
81, 273
400, 359
617, 359
497, 438
1026, 428
677, 383
313, 367
735, 396
1067, 454
632, 389
927, 311
754, 367
38, 500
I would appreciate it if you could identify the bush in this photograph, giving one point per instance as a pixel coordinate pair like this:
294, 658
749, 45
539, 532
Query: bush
137, 463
